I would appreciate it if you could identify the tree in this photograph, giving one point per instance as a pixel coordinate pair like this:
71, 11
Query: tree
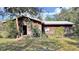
48, 18
19, 11
72, 15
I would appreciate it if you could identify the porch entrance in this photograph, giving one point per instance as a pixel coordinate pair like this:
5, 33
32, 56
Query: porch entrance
24, 30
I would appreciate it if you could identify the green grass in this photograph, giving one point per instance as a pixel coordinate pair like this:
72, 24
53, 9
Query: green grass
39, 44
65, 44
5, 40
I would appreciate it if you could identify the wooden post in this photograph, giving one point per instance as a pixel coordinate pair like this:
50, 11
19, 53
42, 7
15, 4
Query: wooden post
17, 26
43, 30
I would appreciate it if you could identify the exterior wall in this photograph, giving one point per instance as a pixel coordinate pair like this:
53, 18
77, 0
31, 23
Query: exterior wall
29, 30
28, 25
34, 24
49, 30
37, 25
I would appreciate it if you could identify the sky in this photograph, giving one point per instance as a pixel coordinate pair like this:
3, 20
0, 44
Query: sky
51, 11
47, 11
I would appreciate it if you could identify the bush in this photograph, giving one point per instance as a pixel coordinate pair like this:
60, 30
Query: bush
76, 32
4, 34
10, 27
36, 32
59, 32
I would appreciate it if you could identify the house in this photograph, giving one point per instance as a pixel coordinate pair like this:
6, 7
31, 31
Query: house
25, 24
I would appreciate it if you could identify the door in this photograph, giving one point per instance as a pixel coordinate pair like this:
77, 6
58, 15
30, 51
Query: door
24, 30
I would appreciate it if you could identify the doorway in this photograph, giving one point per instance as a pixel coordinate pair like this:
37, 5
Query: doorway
24, 30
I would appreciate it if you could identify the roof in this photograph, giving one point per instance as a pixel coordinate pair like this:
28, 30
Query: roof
34, 19
48, 22
57, 23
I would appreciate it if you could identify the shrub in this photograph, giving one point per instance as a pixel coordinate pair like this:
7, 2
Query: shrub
4, 34
36, 32
59, 32
10, 27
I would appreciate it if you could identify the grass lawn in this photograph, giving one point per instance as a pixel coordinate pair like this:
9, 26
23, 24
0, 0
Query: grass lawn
39, 44
5, 40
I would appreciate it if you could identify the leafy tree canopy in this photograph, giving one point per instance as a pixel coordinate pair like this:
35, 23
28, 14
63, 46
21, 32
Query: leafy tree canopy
19, 11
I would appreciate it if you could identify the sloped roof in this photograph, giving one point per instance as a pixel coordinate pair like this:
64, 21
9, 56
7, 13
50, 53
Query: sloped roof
30, 18
48, 22
52, 22
57, 23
